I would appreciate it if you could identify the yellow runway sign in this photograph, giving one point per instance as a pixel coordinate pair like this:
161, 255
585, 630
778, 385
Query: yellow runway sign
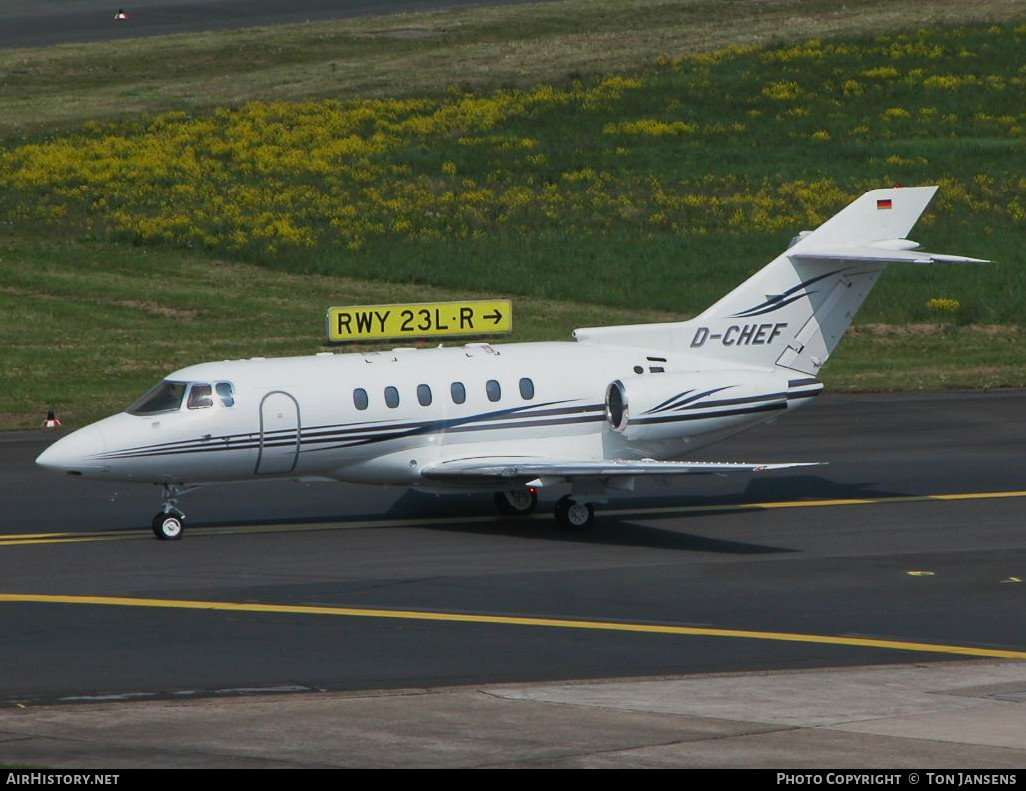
421, 320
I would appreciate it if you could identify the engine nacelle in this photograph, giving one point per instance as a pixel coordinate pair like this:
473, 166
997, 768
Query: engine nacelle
665, 406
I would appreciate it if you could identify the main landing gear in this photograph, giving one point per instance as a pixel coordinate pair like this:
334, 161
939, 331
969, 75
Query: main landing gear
169, 523
570, 514
517, 502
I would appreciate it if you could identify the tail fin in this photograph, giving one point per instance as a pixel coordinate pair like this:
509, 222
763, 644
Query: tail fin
793, 312
877, 216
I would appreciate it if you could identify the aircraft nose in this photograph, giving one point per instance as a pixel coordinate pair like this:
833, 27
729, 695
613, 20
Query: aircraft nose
79, 453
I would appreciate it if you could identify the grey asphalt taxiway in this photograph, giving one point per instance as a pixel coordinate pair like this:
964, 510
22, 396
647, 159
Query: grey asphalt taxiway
907, 547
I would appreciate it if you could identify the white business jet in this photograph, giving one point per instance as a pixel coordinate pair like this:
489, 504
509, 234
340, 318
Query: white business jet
596, 414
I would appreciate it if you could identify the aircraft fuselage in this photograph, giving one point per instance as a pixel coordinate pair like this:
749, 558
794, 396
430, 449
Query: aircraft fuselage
381, 417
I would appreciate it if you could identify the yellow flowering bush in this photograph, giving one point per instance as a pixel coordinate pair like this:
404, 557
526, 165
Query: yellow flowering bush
943, 305
720, 142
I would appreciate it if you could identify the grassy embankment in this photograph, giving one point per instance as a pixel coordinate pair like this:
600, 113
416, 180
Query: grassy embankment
495, 152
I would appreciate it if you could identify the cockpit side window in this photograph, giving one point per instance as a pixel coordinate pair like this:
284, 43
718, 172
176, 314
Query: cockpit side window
200, 396
165, 397
226, 393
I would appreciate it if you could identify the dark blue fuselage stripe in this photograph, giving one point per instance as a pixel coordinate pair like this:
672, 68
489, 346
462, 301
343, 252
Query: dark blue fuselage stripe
777, 306
691, 400
379, 435
352, 427
776, 300
670, 400
348, 429
735, 401
712, 415
676, 403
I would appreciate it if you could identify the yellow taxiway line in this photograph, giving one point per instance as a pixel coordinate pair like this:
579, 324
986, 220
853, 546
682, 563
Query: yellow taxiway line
506, 620
16, 539
916, 498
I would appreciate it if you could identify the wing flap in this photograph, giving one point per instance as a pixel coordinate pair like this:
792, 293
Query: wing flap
528, 469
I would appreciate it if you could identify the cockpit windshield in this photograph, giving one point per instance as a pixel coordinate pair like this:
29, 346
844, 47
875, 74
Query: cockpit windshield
165, 397
169, 396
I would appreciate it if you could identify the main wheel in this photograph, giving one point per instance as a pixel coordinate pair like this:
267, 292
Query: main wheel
572, 515
517, 501
168, 527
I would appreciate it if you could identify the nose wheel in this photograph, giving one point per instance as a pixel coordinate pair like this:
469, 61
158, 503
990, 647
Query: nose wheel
168, 527
169, 523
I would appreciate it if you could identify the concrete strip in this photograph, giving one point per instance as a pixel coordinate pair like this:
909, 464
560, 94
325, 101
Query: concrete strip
72, 753
446, 729
795, 699
994, 723
900, 716
801, 749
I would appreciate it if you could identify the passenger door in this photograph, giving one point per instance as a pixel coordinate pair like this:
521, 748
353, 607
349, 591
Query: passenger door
279, 434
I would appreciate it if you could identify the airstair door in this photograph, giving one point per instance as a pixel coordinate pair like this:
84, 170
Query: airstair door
279, 434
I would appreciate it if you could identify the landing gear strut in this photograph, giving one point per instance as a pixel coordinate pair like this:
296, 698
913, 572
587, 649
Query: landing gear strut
572, 515
169, 523
517, 502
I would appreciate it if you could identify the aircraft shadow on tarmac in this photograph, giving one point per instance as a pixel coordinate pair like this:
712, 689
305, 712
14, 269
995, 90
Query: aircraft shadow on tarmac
615, 531
611, 528
415, 504
624, 530
812, 487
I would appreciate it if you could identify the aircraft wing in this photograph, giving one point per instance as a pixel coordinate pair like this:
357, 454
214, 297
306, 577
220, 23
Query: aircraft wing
527, 469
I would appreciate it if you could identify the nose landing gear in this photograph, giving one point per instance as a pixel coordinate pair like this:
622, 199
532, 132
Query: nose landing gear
169, 523
168, 527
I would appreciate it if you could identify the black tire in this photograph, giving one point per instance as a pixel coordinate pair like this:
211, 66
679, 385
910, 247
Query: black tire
574, 516
516, 502
168, 527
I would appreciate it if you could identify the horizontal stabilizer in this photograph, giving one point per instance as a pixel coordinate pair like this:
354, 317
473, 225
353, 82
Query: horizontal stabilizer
526, 469
880, 255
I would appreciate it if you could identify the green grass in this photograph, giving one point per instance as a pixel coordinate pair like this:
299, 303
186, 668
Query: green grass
417, 54
587, 159
89, 326
875, 358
